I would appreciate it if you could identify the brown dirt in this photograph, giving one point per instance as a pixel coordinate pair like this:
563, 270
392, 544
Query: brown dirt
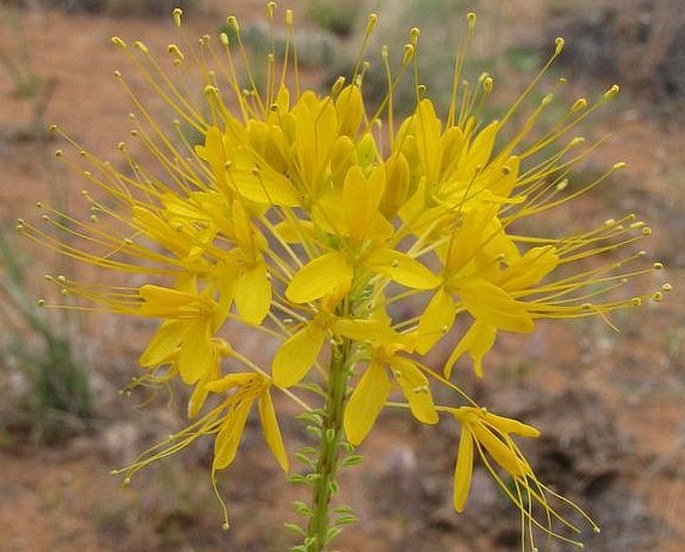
610, 406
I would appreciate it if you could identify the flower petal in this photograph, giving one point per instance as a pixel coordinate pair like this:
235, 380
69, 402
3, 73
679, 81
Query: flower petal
415, 388
435, 321
253, 294
325, 274
401, 268
297, 355
272, 433
228, 438
463, 470
195, 356
366, 402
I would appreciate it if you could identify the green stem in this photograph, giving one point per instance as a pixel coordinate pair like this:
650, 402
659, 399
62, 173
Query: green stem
329, 448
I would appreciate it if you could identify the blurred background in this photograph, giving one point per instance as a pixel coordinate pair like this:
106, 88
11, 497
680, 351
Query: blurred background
610, 405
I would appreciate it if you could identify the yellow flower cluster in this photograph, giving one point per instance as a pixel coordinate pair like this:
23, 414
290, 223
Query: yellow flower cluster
308, 219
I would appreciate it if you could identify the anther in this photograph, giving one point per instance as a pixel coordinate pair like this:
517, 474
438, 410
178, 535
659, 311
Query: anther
611, 92
408, 54
580, 103
225, 526
471, 20
270, 7
59, 153
658, 266
338, 85
666, 287
414, 34
577, 141
41, 303
118, 42
224, 39
559, 45
52, 128
371, 22
141, 46
233, 23
173, 49
646, 231
618, 166
562, 185
177, 13
117, 74
289, 17
636, 301
547, 99
256, 171
488, 83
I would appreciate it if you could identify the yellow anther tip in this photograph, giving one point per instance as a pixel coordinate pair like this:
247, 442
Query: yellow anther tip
408, 53
620, 165
658, 266
118, 42
559, 45
612, 91
471, 20
233, 23
579, 104
177, 13
666, 287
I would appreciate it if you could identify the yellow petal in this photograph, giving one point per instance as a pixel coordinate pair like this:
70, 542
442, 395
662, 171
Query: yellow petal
253, 294
492, 305
415, 388
350, 110
401, 268
228, 438
195, 356
366, 330
509, 425
463, 470
321, 276
164, 343
501, 453
477, 341
366, 402
361, 197
436, 320
272, 433
297, 355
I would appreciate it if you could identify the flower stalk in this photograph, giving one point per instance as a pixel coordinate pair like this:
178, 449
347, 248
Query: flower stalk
331, 442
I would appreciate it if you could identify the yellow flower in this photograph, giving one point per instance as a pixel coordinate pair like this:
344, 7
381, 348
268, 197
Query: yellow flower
335, 232
245, 389
374, 387
489, 435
